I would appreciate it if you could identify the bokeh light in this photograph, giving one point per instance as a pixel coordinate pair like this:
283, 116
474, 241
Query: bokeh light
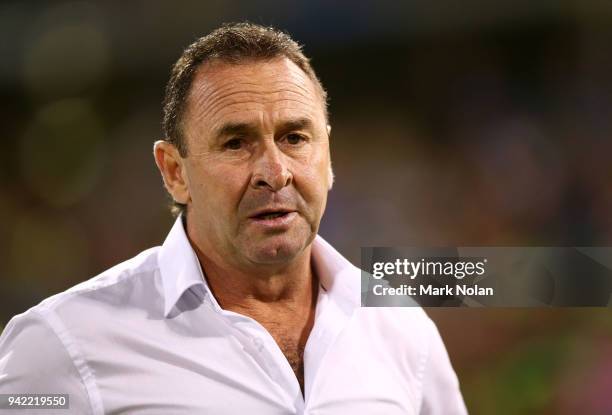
67, 51
62, 152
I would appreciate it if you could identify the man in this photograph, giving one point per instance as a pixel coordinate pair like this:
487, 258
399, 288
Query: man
244, 309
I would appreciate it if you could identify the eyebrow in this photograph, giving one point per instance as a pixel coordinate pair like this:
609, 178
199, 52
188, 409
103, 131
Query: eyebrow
245, 128
297, 124
235, 128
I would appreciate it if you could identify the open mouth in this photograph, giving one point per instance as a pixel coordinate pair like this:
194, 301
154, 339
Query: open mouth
274, 219
278, 213
271, 215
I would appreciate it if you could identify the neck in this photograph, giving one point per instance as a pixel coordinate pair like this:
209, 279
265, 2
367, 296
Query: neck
292, 286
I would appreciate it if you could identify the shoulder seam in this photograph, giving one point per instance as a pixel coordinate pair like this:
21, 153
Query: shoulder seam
70, 293
50, 318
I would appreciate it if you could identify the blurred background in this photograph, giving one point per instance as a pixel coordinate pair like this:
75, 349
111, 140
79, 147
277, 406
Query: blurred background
470, 123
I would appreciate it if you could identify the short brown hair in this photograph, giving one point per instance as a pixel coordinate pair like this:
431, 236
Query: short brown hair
232, 43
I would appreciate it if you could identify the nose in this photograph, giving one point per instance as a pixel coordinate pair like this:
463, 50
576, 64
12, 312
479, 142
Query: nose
270, 170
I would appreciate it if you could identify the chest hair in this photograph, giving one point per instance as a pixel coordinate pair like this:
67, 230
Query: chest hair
292, 345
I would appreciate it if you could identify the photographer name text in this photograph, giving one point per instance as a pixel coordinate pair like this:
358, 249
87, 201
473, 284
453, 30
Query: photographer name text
432, 290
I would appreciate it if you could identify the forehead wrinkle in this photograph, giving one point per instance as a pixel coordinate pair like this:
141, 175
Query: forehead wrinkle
216, 123
214, 110
263, 95
244, 73
211, 109
209, 83
206, 78
210, 100
235, 88
277, 83
214, 90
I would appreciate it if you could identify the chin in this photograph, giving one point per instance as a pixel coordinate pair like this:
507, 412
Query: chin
276, 250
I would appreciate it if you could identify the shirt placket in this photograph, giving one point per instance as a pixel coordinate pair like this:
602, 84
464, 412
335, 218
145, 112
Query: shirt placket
329, 322
262, 347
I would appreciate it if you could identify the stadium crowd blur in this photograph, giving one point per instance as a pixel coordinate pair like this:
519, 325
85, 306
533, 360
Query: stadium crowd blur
471, 124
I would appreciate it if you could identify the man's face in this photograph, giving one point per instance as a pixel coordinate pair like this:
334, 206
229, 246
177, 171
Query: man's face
258, 165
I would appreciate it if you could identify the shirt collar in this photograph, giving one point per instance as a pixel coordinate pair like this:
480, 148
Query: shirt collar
180, 270
179, 266
338, 277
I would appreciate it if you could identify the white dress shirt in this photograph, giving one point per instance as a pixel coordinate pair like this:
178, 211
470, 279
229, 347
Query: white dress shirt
148, 337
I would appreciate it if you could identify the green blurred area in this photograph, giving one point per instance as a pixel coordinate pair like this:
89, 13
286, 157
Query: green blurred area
531, 361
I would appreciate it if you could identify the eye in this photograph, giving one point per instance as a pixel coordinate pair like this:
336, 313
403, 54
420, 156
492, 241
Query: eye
294, 139
234, 144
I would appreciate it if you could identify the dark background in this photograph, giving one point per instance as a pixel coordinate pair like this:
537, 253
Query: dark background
454, 123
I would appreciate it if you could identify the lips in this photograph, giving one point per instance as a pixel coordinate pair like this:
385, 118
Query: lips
272, 213
273, 219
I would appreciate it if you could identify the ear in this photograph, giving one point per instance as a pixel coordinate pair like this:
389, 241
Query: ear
171, 166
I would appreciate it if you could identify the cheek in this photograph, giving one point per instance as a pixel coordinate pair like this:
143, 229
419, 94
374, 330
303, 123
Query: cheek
314, 178
216, 188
